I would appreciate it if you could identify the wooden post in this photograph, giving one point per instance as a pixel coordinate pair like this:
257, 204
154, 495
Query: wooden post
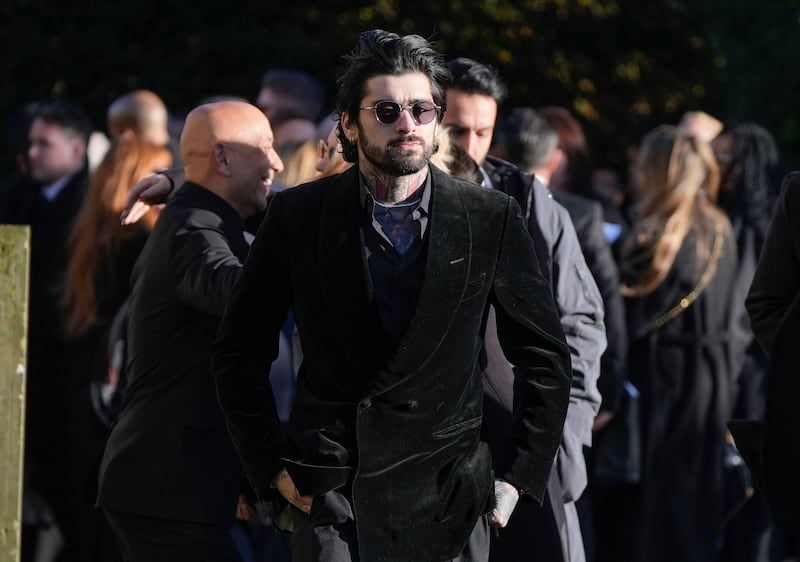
14, 274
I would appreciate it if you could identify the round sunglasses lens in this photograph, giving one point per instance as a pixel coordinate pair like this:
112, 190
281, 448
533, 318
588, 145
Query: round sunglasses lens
424, 112
387, 112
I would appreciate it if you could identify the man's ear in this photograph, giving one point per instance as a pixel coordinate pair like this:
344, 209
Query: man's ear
220, 157
349, 127
80, 149
555, 160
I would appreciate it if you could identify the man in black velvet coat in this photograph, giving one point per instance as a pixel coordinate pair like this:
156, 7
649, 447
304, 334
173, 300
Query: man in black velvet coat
390, 269
170, 477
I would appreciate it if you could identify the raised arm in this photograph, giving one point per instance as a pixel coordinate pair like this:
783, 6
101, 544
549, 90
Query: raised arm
147, 192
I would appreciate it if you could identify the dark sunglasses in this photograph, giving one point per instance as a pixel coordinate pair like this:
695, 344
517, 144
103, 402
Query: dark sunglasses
388, 111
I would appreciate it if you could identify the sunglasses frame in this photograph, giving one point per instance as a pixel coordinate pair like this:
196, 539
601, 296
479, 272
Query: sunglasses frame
436, 109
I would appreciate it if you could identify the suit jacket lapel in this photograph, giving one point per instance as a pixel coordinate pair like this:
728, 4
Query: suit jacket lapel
346, 284
446, 273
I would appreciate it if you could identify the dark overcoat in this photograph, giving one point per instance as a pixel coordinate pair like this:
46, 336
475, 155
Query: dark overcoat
686, 372
777, 276
397, 430
774, 308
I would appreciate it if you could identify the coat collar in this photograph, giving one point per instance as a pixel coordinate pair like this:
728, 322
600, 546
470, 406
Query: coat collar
194, 196
348, 289
345, 278
446, 274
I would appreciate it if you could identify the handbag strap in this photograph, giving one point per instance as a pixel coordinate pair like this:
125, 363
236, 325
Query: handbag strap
705, 278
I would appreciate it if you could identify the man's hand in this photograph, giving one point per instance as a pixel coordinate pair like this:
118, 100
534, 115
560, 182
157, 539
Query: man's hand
245, 511
150, 191
602, 419
505, 498
283, 482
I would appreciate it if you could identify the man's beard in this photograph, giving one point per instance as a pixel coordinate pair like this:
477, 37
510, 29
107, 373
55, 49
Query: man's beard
395, 160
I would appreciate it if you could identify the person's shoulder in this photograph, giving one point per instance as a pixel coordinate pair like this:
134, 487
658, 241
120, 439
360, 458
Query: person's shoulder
320, 189
468, 191
790, 191
493, 164
194, 208
584, 212
578, 205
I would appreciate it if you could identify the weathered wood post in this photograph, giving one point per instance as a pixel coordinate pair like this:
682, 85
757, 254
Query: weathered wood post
14, 274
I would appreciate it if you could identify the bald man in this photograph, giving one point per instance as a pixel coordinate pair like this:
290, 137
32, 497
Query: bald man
170, 478
140, 113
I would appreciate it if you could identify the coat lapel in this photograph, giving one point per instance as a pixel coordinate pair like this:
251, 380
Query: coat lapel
446, 274
346, 284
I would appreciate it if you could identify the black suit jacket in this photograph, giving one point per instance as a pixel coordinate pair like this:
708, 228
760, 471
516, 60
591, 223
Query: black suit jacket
401, 430
773, 304
587, 217
777, 276
50, 393
169, 454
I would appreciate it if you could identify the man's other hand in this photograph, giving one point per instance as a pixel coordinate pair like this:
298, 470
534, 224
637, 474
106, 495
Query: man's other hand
505, 499
147, 192
285, 485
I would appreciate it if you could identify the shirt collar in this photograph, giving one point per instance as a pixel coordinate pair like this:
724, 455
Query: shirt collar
50, 192
424, 204
487, 181
420, 213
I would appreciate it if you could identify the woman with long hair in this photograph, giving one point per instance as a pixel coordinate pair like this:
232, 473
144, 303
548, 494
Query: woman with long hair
101, 256
678, 274
102, 250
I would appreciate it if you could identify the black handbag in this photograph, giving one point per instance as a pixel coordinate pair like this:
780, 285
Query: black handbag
617, 450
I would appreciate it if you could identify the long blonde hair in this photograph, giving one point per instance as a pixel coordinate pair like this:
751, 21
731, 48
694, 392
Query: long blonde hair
97, 226
678, 180
299, 165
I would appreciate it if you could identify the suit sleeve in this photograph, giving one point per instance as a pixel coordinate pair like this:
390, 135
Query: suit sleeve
532, 340
777, 277
247, 344
580, 310
605, 272
204, 268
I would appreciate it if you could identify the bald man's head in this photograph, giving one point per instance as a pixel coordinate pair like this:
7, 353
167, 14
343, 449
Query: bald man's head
141, 114
226, 147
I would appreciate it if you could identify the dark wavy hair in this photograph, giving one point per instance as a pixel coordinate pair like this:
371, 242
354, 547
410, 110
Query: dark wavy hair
380, 52
753, 196
473, 77
67, 115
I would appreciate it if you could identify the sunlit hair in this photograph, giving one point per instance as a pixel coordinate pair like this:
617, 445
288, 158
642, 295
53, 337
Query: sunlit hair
299, 165
380, 53
443, 158
678, 180
337, 164
97, 227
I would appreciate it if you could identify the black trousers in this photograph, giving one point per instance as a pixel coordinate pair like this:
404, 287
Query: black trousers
149, 539
329, 534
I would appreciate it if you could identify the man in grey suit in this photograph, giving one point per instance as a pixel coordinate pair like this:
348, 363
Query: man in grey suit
475, 95
389, 269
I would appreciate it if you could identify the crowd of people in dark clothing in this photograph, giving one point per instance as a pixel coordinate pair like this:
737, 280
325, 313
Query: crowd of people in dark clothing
670, 278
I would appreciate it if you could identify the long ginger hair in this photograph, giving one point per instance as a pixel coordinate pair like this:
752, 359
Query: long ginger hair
97, 227
678, 181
